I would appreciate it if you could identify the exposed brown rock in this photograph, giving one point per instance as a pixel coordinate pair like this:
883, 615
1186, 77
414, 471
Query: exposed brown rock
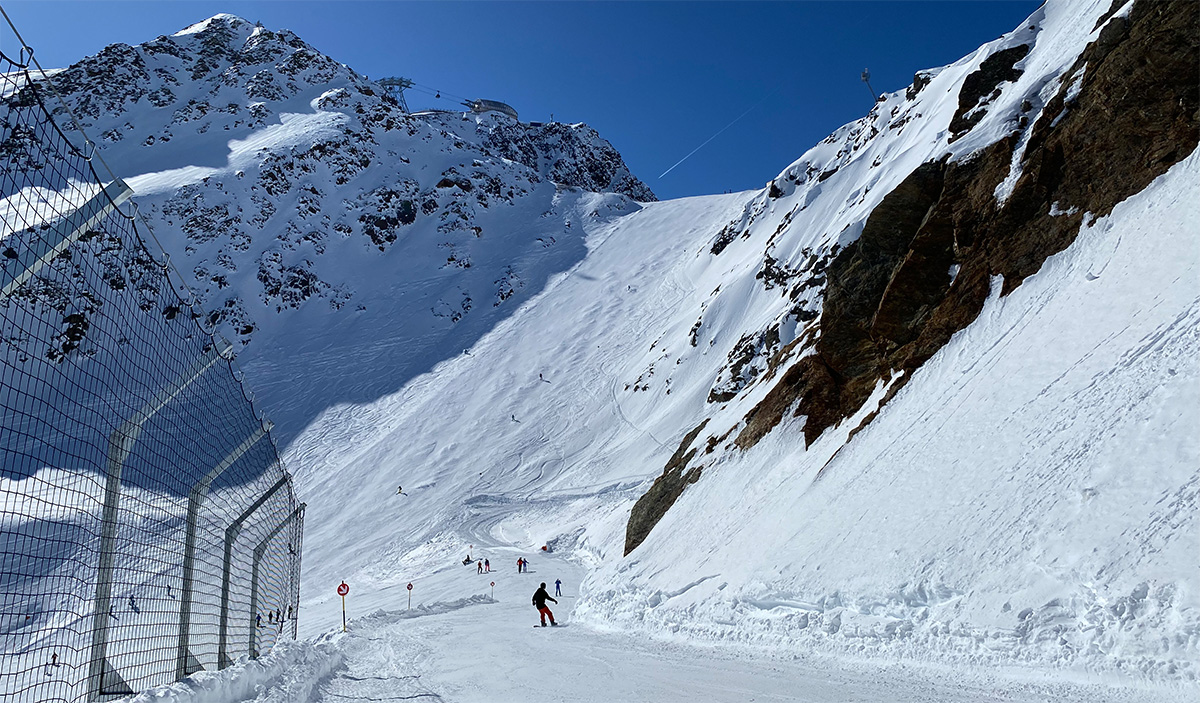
920, 80
890, 305
1112, 10
667, 488
810, 377
983, 85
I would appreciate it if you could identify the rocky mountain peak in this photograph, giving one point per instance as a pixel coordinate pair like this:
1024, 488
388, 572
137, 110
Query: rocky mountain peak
283, 183
239, 76
248, 148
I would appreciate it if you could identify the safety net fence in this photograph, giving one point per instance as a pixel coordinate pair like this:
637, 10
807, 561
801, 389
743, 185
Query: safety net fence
148, 528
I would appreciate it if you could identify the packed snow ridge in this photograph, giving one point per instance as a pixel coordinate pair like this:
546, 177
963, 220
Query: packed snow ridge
1005, 480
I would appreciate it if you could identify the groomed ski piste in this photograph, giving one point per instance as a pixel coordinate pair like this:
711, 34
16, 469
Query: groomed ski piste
1017, 524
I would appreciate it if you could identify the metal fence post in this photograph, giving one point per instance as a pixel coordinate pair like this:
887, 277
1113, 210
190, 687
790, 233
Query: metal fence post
103, 679
297, 552
62, 234
196, 499
258, 552
231, 533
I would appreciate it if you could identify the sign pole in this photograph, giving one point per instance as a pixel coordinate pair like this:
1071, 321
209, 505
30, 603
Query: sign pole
410, 596
493, 590
342, 590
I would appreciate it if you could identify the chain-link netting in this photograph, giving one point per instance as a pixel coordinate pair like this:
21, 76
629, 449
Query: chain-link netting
147, 526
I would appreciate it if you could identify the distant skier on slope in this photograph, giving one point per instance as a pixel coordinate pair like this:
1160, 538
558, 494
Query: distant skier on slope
558, 587
539, 601
480, 569
487, 566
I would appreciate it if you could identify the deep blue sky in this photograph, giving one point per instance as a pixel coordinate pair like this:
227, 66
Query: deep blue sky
656, 79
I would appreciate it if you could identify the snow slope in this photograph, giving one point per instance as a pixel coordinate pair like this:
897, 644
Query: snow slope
1030, 496
961, 526
1022, 501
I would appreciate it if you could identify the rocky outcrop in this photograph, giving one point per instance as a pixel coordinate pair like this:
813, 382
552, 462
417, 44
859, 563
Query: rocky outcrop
569, 154
931, 252
983, 85
650, 508
923, 266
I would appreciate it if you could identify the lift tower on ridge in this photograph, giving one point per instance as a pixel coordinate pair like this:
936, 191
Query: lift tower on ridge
395, 86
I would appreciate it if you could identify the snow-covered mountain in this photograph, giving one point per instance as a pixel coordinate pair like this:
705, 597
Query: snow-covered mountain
318, 220
930, 395
915, 398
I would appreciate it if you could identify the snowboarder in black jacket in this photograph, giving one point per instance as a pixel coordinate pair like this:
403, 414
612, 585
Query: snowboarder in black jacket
539, 601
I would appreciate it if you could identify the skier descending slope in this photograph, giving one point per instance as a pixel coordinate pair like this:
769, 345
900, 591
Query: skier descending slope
539, 601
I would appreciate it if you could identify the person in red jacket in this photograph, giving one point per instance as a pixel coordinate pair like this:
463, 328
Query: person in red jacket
539, 601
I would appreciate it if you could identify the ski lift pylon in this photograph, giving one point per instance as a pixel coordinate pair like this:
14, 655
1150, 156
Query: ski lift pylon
866, 78
395, 86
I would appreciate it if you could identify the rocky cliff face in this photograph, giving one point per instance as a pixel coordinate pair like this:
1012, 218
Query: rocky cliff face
1081, 141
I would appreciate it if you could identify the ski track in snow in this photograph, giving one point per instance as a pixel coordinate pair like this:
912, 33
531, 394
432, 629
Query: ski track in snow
480, 649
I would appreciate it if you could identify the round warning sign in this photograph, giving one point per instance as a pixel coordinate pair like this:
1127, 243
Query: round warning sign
343, 589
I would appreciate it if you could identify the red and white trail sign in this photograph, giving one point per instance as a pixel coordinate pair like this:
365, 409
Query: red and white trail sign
410, 596
342, 590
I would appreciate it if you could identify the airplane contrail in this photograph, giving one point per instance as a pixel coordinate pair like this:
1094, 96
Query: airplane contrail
706, 141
